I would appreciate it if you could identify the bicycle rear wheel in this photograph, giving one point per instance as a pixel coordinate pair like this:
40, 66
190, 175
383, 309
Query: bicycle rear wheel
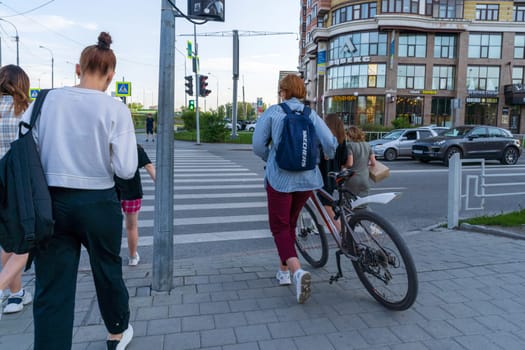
385, 266
310, 238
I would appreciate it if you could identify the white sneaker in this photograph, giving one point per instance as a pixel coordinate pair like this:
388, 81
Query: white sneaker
15, 303
123, 342
302, 280
134, 260
283, 277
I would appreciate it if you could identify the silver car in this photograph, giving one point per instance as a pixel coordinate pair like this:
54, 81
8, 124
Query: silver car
398, 142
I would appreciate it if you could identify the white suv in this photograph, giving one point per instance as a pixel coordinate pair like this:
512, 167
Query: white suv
398, 142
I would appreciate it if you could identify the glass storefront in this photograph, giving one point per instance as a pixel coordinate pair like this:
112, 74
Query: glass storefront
410, 108
514, 121
357, 110
481, 110
441, 111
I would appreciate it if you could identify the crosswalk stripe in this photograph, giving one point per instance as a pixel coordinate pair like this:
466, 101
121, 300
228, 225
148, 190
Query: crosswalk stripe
207, 206
212, 195
206, 237
210, 220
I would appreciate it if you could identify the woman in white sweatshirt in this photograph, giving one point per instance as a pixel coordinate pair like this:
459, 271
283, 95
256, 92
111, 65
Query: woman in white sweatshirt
85, 137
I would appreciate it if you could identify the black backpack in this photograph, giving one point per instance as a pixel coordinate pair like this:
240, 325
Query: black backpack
26, 219
298, 147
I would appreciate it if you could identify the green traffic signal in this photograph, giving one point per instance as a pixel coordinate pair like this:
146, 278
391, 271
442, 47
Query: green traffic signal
191, 105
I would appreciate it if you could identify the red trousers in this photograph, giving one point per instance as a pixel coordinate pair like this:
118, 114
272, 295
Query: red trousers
283, 211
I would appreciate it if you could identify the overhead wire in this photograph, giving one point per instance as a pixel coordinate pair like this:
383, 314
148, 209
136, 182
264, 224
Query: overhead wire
28, 11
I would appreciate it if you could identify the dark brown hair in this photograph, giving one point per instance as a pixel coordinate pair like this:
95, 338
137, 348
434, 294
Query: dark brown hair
355, 134
15, 82
292, 86
98, 58
335, 124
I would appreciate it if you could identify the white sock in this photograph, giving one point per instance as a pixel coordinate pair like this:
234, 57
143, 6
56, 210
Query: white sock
18, 294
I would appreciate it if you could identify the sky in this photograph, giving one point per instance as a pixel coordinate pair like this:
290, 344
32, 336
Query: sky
65, 27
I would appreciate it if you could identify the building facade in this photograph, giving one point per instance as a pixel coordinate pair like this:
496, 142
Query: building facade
442, 62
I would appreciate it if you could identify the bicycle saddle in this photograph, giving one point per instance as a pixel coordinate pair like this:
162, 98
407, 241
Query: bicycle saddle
342, 175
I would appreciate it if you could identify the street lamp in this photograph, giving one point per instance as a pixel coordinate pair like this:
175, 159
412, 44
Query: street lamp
17, 41
52, 65
74, 71
217, 93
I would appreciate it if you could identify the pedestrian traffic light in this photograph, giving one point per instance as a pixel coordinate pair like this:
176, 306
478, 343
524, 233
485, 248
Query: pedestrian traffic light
191, 105
203, 84
189, 85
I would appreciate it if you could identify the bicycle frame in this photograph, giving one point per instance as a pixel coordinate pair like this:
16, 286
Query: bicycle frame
322, 214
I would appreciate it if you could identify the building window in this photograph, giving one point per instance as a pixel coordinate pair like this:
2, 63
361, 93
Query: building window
519, 13
370, 75
358, 44
410, 77
320, 22
445, 46
400, 6
484, 45
441, 111
517, 75
519, 46
354, 12
412, 45
447, 8
314, 11
487, 12
483, 78
443, 78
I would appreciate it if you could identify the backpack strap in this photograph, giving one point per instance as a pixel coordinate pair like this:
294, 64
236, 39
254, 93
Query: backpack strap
35, 113
287, 110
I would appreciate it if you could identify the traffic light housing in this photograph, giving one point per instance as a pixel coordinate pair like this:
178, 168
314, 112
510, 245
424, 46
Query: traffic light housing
191, 105
203, 84
189, 85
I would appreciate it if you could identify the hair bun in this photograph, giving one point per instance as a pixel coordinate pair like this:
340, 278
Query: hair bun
104, 41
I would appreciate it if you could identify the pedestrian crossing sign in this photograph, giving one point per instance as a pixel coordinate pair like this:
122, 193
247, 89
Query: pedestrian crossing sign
33, 93
123, 88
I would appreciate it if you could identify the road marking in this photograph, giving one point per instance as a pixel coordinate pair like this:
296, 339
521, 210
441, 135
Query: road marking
147, 241
210, 220
211, 195
209, 206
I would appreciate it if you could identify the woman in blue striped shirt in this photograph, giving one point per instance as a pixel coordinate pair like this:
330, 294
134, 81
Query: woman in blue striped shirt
288, 191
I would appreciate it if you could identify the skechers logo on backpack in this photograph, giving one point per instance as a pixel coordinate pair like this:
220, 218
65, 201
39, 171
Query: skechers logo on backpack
297, 149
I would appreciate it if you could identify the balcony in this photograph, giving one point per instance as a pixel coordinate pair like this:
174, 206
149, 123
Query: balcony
323, 7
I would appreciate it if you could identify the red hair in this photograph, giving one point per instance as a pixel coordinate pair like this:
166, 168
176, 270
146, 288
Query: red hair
292, 86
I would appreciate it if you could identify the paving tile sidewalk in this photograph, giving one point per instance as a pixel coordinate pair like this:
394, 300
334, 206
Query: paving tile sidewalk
471, 289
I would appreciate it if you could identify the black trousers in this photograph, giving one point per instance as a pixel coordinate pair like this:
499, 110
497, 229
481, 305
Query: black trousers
92, 218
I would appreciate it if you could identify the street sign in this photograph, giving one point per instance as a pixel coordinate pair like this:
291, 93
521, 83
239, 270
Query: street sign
123, 88
33, 93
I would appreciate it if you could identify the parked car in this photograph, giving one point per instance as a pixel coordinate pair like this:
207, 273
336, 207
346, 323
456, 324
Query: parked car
470, 141
398, 142
251, 126
228, 125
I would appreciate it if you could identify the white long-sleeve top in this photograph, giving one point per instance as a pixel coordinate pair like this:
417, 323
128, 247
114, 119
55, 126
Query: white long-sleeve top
84, 138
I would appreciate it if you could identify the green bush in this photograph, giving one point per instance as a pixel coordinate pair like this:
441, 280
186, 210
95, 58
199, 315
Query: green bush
213, 129
401, 122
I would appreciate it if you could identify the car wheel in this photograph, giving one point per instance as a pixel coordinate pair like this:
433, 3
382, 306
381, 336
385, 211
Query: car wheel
252, 129
390, 154
450, 152
510, 156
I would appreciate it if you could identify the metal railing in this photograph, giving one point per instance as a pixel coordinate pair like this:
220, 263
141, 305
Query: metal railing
480, 184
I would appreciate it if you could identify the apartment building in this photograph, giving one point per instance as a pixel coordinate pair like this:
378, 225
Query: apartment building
442, 62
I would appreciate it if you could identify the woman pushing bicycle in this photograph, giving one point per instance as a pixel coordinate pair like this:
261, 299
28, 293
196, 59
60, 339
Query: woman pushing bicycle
288, 190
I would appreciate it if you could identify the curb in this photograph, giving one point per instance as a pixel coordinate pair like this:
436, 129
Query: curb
491, 231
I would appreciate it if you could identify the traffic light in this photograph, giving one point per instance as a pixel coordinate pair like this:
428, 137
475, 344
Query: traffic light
189, 85
191, 105
203, 84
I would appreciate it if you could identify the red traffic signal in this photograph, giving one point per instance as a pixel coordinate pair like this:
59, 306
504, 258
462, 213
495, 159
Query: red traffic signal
203, 86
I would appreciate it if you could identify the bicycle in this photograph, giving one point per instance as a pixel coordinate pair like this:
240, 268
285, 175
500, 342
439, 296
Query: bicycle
377, 251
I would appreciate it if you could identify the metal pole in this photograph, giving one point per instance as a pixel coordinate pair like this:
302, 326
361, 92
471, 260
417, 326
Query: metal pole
52, 72
454, 191
162, 274
235, 81
197, 85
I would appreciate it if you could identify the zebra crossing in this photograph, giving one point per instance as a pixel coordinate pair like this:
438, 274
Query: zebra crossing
215, 199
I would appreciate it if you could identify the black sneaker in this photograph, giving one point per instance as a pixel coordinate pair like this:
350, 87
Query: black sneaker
123, 342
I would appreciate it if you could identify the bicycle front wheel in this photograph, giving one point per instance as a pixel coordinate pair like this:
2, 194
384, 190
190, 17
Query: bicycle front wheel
384, 265
310, 238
